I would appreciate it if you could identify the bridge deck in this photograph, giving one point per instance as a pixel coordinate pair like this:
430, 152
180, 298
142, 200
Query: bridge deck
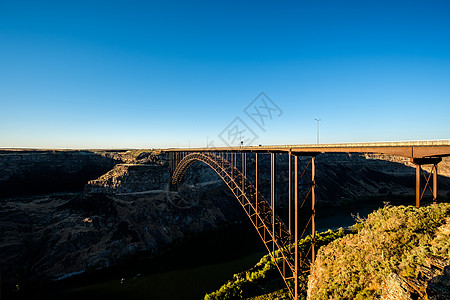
414, 149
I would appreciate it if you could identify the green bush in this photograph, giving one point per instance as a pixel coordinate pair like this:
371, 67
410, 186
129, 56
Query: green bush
390, 240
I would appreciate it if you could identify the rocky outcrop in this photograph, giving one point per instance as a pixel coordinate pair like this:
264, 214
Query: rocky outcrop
394, 287
432, 282
133, 156
131, 178
438, 287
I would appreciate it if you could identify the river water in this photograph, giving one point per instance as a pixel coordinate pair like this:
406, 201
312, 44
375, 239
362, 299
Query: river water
197, 267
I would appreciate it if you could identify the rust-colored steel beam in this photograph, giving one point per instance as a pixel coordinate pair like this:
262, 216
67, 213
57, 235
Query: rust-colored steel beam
435, 183
313, 208
256, 183
245, 164
418, 194
413, 149
434, 161
290, 193
272, 194
243, 170
297, 254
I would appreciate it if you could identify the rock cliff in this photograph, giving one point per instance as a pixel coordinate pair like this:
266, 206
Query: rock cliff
27, 173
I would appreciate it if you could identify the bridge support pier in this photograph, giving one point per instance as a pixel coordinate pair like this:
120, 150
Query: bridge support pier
272, 197
304, 178
297, 255
434, 161
313, 209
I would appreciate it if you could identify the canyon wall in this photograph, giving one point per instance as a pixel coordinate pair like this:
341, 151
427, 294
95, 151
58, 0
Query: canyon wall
123, 205
26, 173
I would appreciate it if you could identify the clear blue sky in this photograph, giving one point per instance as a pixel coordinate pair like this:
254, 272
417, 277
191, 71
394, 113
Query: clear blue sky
138, 74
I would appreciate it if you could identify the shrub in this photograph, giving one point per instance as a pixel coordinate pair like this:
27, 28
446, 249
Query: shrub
390, 240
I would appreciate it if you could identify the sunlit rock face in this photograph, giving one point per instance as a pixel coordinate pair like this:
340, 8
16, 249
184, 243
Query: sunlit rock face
131, 178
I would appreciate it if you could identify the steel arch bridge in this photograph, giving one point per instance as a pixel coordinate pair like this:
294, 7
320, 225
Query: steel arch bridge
278, 238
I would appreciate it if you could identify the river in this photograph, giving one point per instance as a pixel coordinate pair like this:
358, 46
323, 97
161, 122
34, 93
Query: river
196, 267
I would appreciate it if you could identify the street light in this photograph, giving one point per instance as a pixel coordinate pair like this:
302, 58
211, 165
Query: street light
318, 120
240, 138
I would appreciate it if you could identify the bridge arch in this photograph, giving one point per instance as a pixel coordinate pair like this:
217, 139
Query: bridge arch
273, 232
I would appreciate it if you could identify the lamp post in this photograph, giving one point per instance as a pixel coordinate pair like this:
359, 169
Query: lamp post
318, 120
241, 142
240, 139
